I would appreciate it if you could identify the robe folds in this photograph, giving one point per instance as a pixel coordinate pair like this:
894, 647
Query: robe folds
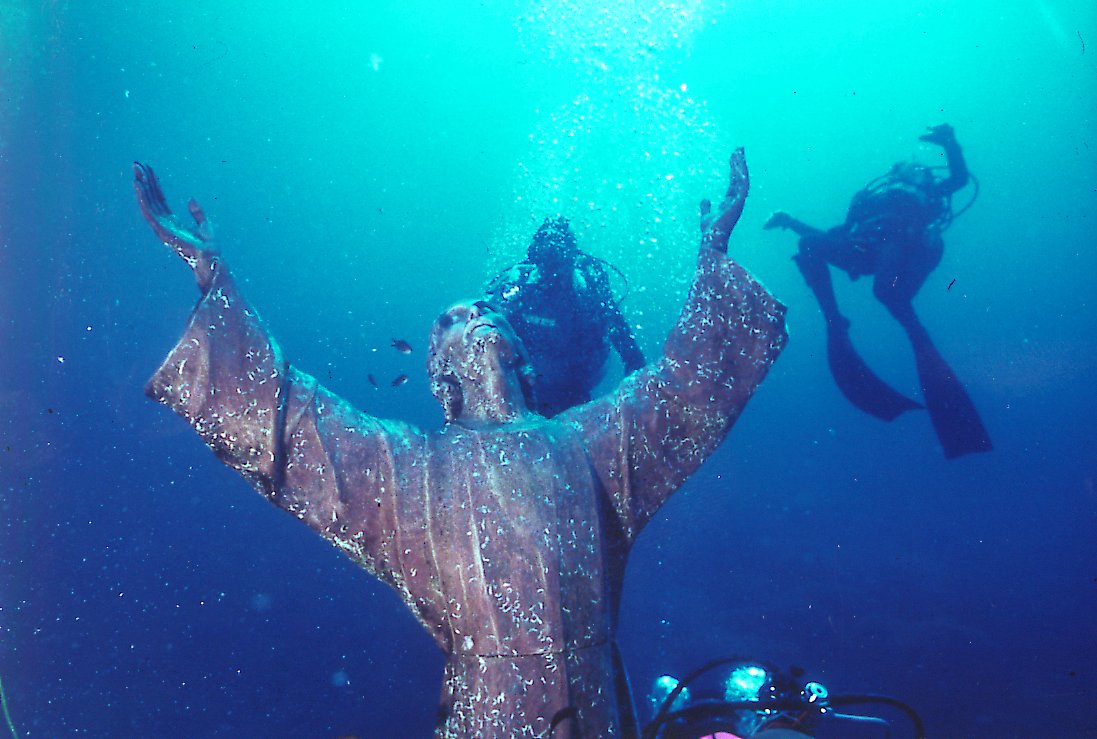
508, 543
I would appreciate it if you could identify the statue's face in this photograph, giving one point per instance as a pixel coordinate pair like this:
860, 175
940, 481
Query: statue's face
473, 336
469, 343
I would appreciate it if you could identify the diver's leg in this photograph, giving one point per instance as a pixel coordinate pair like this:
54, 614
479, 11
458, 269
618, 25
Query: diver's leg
856, 381
902, 267
889, 277
813, 264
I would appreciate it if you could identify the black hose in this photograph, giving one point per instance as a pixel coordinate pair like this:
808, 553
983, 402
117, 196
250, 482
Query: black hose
974, 197
615, 268
869, 698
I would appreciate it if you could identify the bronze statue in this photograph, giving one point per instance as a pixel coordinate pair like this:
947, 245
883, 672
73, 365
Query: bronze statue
506, 533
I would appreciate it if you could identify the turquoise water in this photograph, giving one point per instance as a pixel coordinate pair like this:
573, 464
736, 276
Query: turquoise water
366, 164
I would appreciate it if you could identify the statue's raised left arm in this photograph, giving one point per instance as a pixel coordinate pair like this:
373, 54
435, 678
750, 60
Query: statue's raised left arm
661, 423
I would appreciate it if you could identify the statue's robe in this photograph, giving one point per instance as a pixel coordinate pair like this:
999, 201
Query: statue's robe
507, 543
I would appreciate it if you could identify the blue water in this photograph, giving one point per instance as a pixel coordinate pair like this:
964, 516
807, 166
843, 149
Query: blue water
369, 163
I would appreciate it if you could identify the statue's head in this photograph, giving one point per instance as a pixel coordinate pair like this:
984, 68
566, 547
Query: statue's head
474, 356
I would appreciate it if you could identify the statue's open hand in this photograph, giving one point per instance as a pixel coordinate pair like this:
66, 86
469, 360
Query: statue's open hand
193, 243
716, 225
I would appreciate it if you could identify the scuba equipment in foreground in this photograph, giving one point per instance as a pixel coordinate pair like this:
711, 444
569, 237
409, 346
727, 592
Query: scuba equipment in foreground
757, 698
7, 714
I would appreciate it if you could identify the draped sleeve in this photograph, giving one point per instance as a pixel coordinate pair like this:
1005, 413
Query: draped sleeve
650, 434
350, 476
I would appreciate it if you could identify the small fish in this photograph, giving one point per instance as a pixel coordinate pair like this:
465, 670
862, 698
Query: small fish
372, 380
401, 346
399, 380
951, 284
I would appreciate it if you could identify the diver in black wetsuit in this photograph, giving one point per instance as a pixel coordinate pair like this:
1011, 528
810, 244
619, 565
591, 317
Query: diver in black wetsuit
893, 232
560, 304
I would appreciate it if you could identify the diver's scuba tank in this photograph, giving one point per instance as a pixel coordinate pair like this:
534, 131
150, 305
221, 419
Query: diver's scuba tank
735, 698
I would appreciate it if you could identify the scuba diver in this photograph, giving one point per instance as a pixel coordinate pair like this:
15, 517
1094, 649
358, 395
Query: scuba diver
560, 304
893, 232
734, 698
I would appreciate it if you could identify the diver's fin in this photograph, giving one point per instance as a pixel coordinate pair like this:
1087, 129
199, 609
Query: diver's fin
860, 384
955, 420
954, 417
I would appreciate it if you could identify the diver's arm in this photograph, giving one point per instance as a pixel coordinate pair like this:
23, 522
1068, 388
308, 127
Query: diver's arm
620, 335
945, 137
623, 340
783, 220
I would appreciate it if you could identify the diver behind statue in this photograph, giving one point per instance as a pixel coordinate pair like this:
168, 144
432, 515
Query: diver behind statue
561, 306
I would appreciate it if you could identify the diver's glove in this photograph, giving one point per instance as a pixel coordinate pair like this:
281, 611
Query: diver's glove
940, 135
779, 219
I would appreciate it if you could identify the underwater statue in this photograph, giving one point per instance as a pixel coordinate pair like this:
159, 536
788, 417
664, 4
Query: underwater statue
504, 532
